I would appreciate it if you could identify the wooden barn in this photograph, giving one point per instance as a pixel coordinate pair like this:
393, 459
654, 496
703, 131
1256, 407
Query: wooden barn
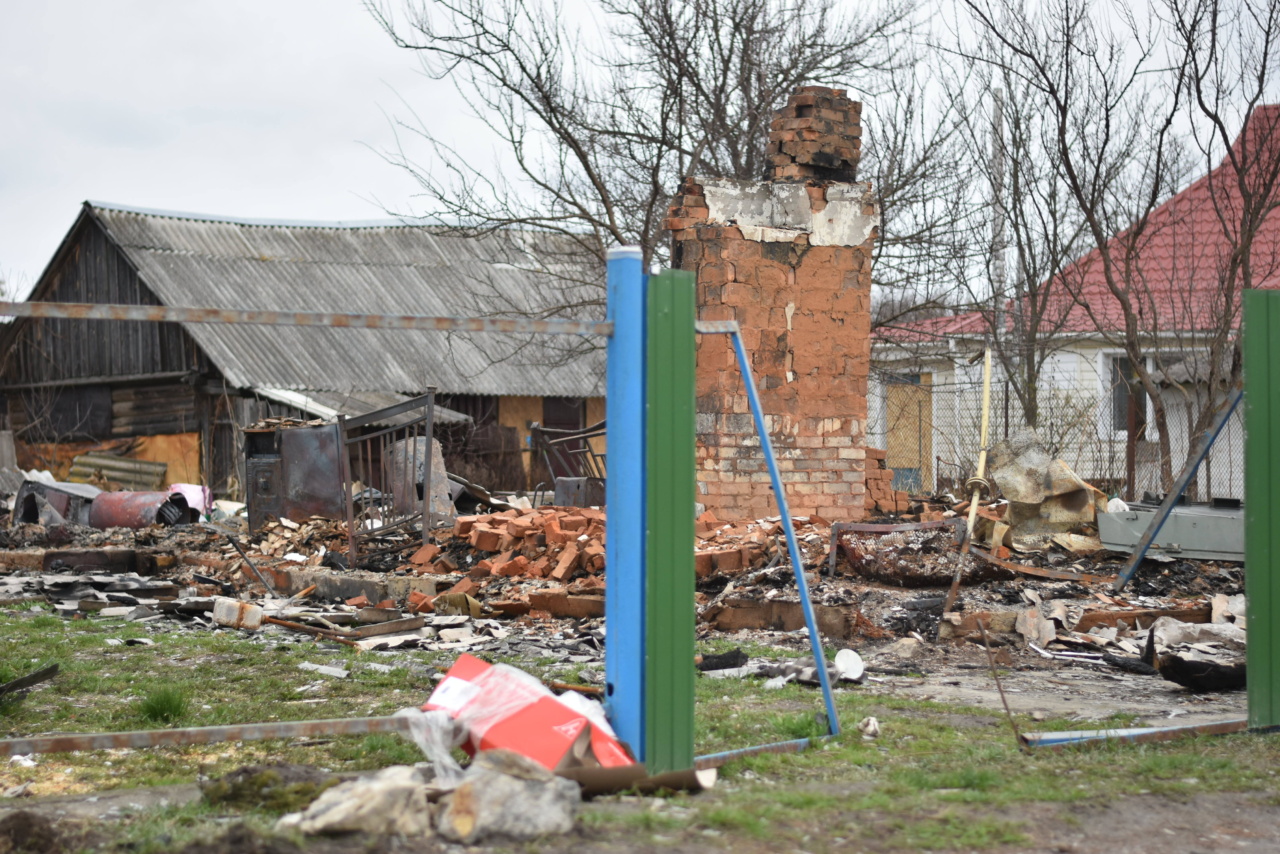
183, 393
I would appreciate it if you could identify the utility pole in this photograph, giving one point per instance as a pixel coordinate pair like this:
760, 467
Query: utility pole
998, 239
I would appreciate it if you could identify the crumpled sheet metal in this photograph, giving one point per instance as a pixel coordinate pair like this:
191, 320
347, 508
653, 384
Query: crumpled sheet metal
1045, 496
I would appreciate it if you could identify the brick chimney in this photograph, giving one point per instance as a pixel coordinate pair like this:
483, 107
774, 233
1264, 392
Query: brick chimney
789, 258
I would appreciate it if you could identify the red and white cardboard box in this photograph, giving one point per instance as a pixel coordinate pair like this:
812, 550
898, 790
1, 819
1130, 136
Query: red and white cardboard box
505, 711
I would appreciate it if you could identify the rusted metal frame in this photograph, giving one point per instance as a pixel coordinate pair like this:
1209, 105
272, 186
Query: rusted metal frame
176, 314
348, 500
397, 476
1041, 572
394, 527
428, 512
869, 528
401, 408
326, 634
394, 428
555, 442
199, 735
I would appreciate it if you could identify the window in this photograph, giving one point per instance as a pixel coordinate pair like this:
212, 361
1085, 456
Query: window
1126, 389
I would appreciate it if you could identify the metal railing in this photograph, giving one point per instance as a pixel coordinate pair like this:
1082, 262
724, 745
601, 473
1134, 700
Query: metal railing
386, 477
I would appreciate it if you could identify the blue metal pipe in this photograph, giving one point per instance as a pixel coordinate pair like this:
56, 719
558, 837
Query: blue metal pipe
715, 760
815, 640
1134, 735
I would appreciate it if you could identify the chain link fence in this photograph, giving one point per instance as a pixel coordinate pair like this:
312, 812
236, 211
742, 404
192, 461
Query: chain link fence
931, 431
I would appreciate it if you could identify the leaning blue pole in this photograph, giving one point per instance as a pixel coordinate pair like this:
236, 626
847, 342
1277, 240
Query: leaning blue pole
625, 497
793, 548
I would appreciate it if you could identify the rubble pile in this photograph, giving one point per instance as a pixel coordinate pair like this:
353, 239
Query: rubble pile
531, 581
549, 542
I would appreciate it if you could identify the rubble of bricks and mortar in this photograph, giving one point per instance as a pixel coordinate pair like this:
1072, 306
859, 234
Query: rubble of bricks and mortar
789, 259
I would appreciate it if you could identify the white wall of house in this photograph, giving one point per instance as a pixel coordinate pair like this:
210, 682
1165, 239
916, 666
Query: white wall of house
1076, 419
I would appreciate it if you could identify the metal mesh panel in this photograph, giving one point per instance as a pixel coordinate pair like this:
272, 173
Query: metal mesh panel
930, 429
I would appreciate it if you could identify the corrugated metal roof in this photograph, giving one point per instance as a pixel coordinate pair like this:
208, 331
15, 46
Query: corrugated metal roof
383, 268
328, 405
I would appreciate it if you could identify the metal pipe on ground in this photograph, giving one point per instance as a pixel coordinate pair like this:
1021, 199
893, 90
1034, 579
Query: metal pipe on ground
140, 510
715, 760
1136, 735
198, 735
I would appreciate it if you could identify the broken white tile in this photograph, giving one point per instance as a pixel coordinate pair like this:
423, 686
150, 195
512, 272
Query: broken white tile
325, 670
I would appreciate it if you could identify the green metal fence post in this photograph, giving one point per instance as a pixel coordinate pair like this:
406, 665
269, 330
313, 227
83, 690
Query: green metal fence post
670, 461
1261, 345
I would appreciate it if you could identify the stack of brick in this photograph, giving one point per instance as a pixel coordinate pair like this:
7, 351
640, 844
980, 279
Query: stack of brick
548, 542
789, 260
880, 485
817, 135
729, 549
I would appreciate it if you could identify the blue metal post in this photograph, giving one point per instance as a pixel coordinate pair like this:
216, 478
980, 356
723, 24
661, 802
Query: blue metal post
625, 497
815, 640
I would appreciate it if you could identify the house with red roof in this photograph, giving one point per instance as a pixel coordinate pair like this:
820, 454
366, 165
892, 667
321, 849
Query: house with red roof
1176, 281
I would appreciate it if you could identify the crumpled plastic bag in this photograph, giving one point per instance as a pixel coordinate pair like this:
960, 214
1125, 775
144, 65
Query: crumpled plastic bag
436, 735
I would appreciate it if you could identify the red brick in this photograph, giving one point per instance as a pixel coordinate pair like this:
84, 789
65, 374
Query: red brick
703, 565
560, 604
567, 564
515, 566
486, 539
521, 527
509, 607
727, 560
466, 586
425, 555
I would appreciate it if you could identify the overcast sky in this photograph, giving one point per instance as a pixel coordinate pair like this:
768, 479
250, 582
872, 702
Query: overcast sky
256, 108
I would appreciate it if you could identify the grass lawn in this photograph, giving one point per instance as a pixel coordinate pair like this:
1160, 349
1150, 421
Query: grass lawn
940, 777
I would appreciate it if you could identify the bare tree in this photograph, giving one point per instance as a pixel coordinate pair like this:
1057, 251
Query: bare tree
1230, 53
918, 154
602, 122
1034, 233
1128, 99
602, 119
1111, 121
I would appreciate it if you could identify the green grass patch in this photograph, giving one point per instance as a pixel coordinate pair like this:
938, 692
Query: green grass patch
165, 704
950, 831
939, 777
